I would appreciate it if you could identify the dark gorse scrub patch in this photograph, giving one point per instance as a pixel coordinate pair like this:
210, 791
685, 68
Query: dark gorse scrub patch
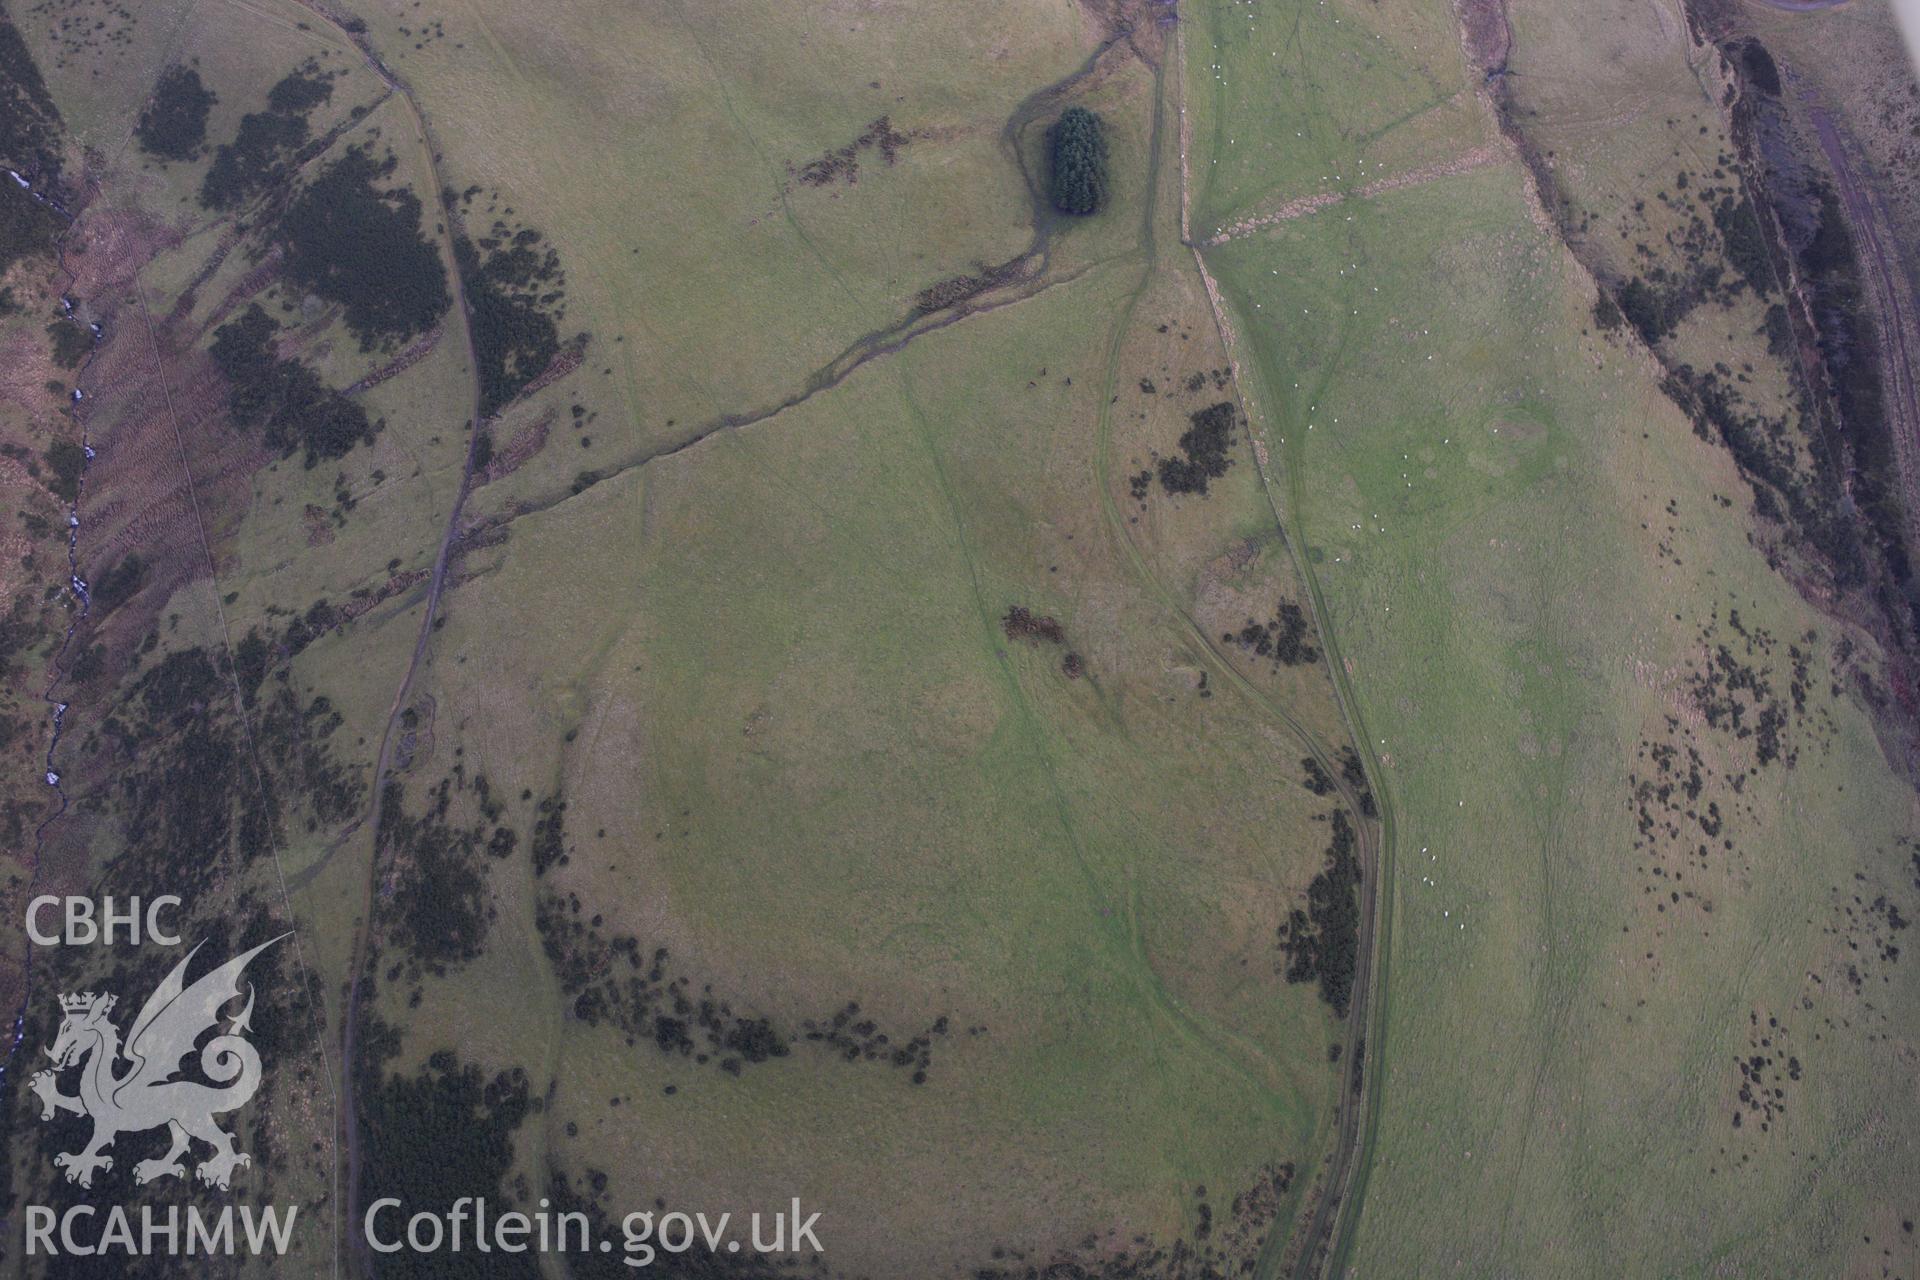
843, 164
515, 291
200, 788
283, 398
117, 585
441, 902
1022, 623
174, 124
29, 122
65, 459
1356, 775
957, 289
548, 842
29, 142
261, 151
350, 241
1203, 449
72, 342
1322, 943
613, 979
435, 1137
1283, 638
1077, 154
27, 227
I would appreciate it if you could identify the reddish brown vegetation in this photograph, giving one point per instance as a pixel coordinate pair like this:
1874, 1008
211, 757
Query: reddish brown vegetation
1486, 34
416, 351
319, 529
1021, 623
190, 295
843, 165
526, 442
563, 364
956, 289
251, 283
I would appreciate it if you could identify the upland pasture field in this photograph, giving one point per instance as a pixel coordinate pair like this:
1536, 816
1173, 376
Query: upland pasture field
1106, 639
1642, 1013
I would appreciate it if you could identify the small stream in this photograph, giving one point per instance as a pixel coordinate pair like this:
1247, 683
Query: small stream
76, 584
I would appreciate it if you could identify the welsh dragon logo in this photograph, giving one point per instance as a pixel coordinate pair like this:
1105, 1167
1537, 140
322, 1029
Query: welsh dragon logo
146, 1095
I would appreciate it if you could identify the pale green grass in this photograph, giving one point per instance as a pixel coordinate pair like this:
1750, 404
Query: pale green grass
770, 670
862, 790
1634, 132
1303, 99
664, 178
240, 52
769, 676
100, 89
1474, 475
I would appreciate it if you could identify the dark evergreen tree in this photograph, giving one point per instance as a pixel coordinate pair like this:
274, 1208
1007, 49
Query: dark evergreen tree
1079, 160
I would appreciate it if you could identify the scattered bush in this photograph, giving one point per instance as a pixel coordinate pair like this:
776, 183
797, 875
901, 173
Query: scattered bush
441, 900
1283, 639
1356, 775
1021, 623
957, 289
549, 843
843, 165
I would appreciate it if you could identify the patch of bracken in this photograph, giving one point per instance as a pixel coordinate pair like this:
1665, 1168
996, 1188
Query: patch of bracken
1021, 623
